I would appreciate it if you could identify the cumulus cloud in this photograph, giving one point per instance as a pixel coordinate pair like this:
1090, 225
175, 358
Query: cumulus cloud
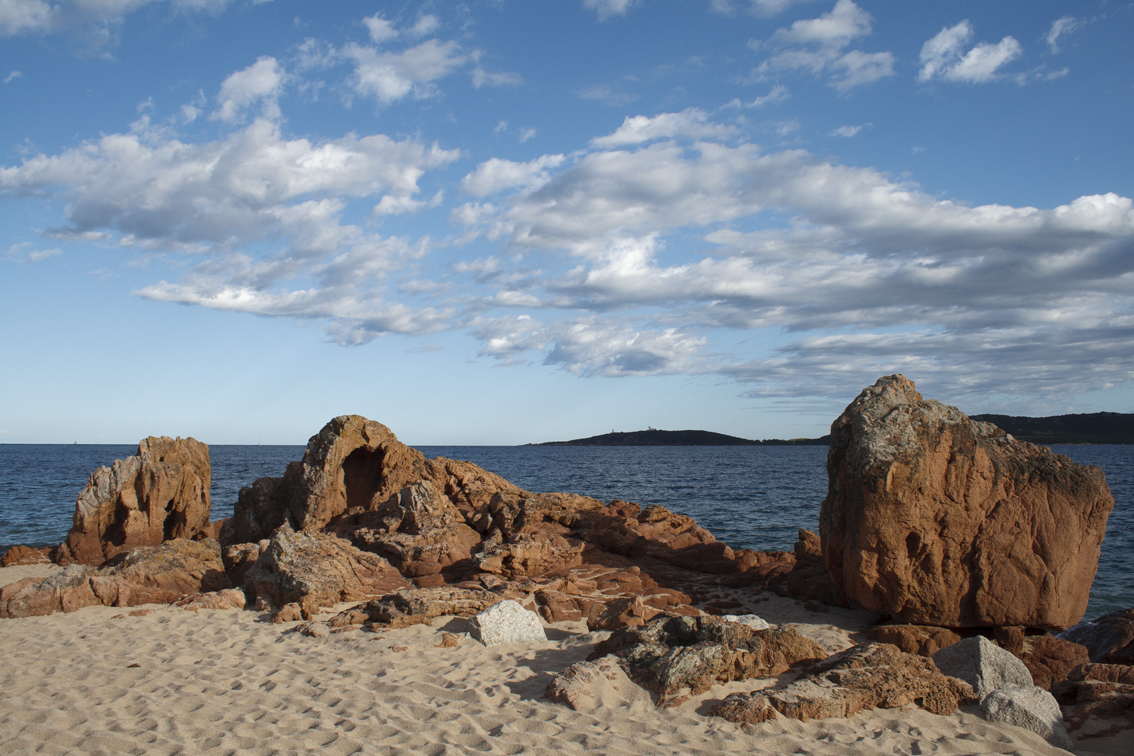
252, 190
496, 175
390, 76
819, 46
608, 8
97, 20
693, 123
944, 56
261, 83
873, 274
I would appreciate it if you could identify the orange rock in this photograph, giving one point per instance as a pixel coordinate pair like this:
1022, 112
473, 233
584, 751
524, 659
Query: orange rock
914, 639
160, 494
937, 519
25, 555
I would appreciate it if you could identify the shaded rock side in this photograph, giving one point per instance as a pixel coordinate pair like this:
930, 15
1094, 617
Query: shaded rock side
923, 640
937, 519
680, 656
869, 676
590, 685
1050, 659
317, 570
159, 494
1109, 638
417, 606
351, 466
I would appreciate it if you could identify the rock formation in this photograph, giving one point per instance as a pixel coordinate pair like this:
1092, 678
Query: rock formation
507, 622
936, 519
870, 676
157, 495
677, 657
316, 570
352, 466
160, 574
1109, 638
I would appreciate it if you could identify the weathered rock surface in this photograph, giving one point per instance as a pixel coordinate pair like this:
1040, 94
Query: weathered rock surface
983, 665
507, 622
1050, 659
316, 570
1031, 708
228, 598
937, 519
590, 685
914, 639
1109, 639
160, 574
417, 606
749, 620
159, 494
352, 466
870, 676
25, 555
678, 656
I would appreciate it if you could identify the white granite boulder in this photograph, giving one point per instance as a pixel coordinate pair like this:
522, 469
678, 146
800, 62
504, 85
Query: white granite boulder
983, 665
508, 622
1031, 708
750, 620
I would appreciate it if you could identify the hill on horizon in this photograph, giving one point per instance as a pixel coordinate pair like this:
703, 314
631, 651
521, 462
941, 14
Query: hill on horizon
654, 437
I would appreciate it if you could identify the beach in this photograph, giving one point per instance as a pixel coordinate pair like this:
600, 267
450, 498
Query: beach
163, 680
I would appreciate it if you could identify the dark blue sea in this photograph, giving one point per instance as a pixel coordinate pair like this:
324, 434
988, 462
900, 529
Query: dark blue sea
748, 496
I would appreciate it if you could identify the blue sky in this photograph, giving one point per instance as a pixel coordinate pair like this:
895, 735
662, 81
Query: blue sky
504, 222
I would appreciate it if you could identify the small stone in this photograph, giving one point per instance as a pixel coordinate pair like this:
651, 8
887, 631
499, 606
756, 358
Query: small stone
314, 629
399, 649
1031, 708
449, 640
508, 622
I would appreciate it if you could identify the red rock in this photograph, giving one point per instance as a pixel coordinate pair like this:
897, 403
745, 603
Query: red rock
287, 613
180, 567
317, 570
623, 612
1051, 659
937, 519
239, 558
922, 640
65, 591
160, 494
25, 555
418, 606
528, 556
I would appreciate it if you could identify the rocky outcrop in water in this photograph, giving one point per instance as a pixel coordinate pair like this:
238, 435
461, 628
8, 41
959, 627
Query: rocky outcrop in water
159, 494
936, 519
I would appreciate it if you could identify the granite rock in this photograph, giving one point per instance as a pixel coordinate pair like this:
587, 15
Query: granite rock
983, 665
508, 622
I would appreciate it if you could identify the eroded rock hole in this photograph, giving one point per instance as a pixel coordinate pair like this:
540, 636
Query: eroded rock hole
362, 476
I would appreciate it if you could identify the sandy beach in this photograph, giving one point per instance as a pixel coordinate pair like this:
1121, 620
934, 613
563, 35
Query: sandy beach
164, 680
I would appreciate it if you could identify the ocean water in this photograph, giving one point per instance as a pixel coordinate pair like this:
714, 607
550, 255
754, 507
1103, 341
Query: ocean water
754, 497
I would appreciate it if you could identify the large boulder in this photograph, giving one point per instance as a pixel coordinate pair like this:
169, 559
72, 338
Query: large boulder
1031, 708
316, 570
983, 665
352, 466
159, 494
937, 519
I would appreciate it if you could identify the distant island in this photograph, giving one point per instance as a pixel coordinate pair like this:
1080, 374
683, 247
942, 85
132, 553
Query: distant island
1096, 428
653, 437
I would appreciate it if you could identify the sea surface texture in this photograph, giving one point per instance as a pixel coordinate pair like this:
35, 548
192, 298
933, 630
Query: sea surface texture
754, 497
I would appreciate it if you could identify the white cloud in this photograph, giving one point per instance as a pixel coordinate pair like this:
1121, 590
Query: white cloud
496, 175
260, 83
608, 8
526, 134
849, 131
1062, 27
818, 46
763, 8
12, 76
97, 20
778, 94
391, 76
380, 29
943, 56
259, 211
692, 123
22, 253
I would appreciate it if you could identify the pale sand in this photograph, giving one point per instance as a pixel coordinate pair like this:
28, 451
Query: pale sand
229, 682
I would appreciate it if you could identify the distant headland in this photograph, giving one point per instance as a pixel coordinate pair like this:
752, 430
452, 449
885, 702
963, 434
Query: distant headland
1096, 428
654, 437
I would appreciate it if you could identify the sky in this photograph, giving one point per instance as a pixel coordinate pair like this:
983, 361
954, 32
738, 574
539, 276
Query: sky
503, 222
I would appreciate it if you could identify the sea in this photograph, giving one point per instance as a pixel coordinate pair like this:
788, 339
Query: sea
756, 497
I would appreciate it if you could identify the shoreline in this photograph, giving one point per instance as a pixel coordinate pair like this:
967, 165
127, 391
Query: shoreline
160, 679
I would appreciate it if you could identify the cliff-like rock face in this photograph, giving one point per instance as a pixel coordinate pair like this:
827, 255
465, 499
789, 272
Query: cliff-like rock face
938, 519
160, 494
